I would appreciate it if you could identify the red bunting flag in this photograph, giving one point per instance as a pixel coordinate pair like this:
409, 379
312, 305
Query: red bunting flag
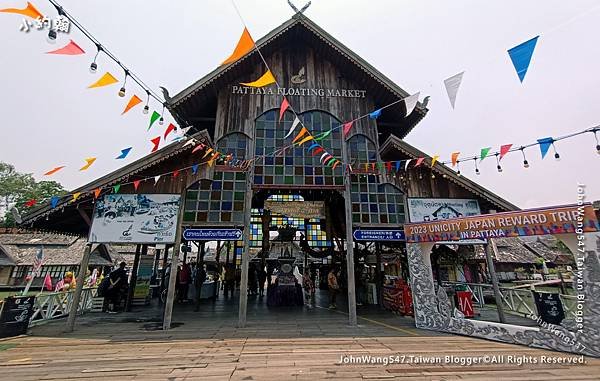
388, 165
136, 184
175, 173
31, 203
97, 193
419, 161
455, 158
317, 151
284, 106
372, 166
156, 142
71, 49
169, 129
504, 150
347, 128
199, 147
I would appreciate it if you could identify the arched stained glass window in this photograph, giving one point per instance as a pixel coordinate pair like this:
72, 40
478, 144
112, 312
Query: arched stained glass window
375, 203
235, 144
361, 149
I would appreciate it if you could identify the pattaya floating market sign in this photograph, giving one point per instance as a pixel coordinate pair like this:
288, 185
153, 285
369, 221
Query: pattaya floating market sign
558, 220
298, 209
299, 91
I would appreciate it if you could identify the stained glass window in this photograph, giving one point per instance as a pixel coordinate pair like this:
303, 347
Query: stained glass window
234, 144
296, 166
361, 149
316, 236
375, 203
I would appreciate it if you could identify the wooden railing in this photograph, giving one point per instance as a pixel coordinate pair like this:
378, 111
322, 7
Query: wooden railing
54, 305
519, 301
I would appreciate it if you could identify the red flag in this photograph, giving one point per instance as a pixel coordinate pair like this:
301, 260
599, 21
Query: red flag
175, 173
169, 129
284, 106
419, 161
347, 128
156, 142
97, 192
53, 171
504, 150
317, 151
372, 166
198, 148
136, 184
48, 282
31, 203
388, 165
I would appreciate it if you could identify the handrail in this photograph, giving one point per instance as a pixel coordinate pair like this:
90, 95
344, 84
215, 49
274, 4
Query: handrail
54, 305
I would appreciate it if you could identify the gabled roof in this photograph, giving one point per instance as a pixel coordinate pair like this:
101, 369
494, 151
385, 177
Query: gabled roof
395, 143
197, 99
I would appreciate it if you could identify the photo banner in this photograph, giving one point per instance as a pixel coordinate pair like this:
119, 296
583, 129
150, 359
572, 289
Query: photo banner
557, 220
135, 218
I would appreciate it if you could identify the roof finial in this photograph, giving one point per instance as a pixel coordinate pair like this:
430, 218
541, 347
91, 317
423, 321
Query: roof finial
296, 9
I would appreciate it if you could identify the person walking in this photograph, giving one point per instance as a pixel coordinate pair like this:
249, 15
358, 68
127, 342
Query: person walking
198, 282
332, 283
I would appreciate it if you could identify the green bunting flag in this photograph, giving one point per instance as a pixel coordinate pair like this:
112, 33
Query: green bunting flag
484, 152
153, 119
323, 136
116, 188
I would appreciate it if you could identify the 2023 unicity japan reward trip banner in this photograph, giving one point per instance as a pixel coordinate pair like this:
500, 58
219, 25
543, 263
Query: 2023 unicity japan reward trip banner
557, 220
135, 218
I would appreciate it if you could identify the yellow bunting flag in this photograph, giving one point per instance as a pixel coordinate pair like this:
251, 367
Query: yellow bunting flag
210, 163
134, 101
76, 196
208, 151
89, 161
265, 80
105, 80
309, 137
302, 132
434, 159
244, 46
29, 11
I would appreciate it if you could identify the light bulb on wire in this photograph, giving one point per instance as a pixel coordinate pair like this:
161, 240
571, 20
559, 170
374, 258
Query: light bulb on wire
556, 155
52, 36
161, 121
499, 167
146, 107
122, 89
94, 65
476, 168
525, 162
597, 141
458, 168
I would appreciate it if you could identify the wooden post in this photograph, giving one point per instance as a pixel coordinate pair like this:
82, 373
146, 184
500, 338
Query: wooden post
378, 277
492, 270
245, 259
79, 287
218, 254
174, 259
134, 270
349, 238
164, 268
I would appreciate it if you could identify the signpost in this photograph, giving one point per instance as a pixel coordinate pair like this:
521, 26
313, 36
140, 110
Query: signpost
212, 234
379, 235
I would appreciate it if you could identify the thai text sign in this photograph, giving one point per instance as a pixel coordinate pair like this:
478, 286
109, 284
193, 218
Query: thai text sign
298, 209
559, 220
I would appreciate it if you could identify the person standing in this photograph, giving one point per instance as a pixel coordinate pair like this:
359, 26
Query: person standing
262, 278
198, 282
229, 280
332, 283
309, 289
117, 287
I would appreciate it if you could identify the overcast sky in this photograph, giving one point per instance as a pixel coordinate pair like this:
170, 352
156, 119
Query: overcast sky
49, 118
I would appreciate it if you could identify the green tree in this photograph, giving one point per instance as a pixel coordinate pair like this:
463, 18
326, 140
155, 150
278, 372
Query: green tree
17, 188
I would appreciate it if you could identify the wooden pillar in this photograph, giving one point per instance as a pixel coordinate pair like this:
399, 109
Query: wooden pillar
378, 277
491, 246
156, 260
79, 287
246, 253
218, 254
174, 259
134, 270
349, 238
228, 252
164, 268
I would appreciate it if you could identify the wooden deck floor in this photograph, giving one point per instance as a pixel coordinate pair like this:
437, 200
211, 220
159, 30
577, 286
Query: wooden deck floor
280, 344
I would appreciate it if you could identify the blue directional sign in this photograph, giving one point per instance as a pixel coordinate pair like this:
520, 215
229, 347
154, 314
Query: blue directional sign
212, 234
379, 235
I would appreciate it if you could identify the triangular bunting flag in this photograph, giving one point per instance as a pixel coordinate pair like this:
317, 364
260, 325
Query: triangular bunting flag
54, 201
195, 168
434, 160
265, 80
156, 178
313, 146
455, 158
208, 151
337, 162
452, 84
29, 11
521, 55
375, 114
136, 184
191, 142
323, 157
398, 163
406, 164
124, 153
169, 129
105, 80
244, 45
89, 161
294, 125
153, 118
53, 170
116, 188
347, 128
504, 150
76, 196
419, 161
97, 193
545, 144
71, 49
388, 166
30, 203
134, 101
198, 148
484, 152
284, 106
309, 137
317, 151
323, 135
175, 173
302, 132
410, 103
156, 143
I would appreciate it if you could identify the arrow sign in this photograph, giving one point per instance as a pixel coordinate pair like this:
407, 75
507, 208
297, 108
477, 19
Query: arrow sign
379, 235
212, 234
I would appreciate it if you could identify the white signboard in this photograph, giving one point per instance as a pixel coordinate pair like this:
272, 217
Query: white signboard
435, 209
135, 218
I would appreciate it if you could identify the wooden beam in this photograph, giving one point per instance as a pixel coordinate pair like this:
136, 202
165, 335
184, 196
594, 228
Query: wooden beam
79, 287
85, 216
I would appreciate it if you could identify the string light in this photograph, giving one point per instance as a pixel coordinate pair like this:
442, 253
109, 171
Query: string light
458, 168
146, 107
597, 142
122, 90
498, 163
94, 65
525, 162
161, 121
432, 175
52, 36
476, 168
556, 155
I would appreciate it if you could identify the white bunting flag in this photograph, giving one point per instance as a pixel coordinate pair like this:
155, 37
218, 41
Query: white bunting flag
156, 178
411, 102
294, 125
406, 165
452, 84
